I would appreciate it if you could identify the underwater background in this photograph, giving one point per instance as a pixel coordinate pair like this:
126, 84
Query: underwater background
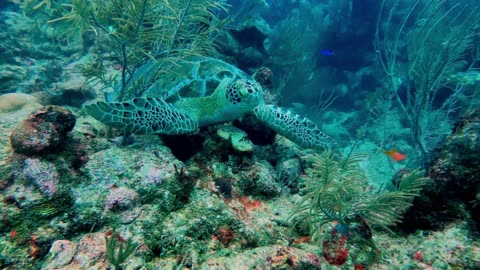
352, 141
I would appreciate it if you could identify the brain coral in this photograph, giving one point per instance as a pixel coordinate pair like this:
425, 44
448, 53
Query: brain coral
16, 101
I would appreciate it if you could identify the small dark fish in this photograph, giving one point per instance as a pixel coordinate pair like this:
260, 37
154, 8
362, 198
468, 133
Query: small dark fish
327, 53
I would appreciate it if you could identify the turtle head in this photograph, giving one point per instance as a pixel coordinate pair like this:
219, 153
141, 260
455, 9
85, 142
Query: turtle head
244, 94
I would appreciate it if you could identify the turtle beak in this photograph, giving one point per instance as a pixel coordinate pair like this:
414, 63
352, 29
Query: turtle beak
243, 92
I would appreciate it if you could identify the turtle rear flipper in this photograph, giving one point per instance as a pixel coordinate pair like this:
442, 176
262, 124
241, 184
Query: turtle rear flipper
293, 126
143, 115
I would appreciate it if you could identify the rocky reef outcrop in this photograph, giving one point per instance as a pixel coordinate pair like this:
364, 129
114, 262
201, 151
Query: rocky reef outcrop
43, 131
454, 187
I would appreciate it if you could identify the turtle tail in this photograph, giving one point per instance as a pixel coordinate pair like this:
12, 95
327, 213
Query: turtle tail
143, 115
295, 127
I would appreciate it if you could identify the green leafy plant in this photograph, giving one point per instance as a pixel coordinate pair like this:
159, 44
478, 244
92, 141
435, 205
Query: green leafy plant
113, 244
336, 192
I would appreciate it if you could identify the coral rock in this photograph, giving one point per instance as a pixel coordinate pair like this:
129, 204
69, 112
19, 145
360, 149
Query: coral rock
61, 254
92, 247
43, 131
236, 137
90, 253
124, 201
42, 174
288, 172
259, 180
454, 174
270, 257
121, 199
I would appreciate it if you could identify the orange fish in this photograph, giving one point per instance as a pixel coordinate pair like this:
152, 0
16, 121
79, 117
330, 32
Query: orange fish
395, 155
302, 239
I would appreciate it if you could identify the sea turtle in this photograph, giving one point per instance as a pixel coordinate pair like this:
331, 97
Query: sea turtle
193, 93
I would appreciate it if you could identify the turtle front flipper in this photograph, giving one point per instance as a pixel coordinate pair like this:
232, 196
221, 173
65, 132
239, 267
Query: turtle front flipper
295, 127
144, 115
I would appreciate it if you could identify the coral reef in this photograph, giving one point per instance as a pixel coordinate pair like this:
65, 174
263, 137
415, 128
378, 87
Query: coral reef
77, 195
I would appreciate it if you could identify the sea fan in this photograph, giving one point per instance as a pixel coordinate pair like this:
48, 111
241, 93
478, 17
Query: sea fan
336, 192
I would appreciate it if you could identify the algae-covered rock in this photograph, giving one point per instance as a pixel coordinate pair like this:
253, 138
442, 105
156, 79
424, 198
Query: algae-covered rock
61, 254
193, 226
88, 253
42, 174
237, 138
269, 257
43, 131
125, 202
285, 149
5, 171
454, 174
287, 175
141, 166
146, 173
259, 180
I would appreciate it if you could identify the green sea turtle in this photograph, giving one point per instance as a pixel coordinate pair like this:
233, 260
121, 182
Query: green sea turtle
194, 93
